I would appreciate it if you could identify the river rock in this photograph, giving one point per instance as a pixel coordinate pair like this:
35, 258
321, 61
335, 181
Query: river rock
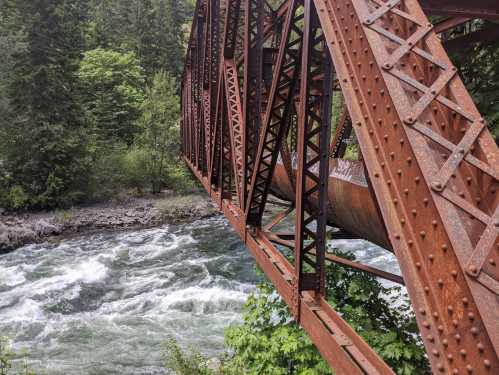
44, 228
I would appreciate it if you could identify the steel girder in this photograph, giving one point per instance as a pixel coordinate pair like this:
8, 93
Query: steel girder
431, 164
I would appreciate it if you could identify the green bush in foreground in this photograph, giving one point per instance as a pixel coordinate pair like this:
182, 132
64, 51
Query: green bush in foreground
6, 365
269, 342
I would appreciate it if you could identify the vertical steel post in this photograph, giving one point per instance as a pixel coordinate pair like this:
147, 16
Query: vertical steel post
313, 162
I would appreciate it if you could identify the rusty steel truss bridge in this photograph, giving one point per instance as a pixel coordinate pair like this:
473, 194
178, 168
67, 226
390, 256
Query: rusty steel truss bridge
350, 117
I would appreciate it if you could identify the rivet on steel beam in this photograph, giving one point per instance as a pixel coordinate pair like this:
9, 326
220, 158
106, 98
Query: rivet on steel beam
425, 201
472, 269
430, 338
402, 221
409, 120
418, 266
434, 223
402, 141
445, 342
397, 236
414, 212
426, 324
463, 353
422, 312
469, 368
399, 172
440, 328
437, 186
450, 357
474, 331
440, 283
480, 347
471, 316
492, 262
450, 309
422, 234
455, 371
431, 257
410, 243
486, 363
435, 353
454, 273
426, 289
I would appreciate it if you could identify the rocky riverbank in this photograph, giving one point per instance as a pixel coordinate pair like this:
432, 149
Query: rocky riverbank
19, 229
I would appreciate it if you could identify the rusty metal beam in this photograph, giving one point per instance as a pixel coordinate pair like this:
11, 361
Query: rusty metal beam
462, 8
277, 115
428, 224
450, 23
428, 190
314, 127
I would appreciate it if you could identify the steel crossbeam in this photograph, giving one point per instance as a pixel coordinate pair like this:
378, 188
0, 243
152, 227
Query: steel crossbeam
257, 95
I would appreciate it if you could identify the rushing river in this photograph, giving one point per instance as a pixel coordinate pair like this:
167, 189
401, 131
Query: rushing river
105, 303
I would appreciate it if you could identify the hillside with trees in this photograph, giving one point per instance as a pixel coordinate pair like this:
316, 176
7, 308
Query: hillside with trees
89, 98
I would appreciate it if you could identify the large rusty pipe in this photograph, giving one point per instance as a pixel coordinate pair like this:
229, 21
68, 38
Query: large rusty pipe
351, 206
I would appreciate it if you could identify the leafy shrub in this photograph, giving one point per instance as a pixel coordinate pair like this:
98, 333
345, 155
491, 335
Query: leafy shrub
184, 362
17, 197
6, 357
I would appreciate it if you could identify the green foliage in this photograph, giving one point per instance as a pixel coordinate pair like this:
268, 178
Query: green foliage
17, 197
184, 362
150, 28
269, 342
5, 356
479, 69
6, 360
112, 85
43, 142
160, 124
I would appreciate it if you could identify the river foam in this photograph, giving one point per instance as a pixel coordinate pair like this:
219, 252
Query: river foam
105, 303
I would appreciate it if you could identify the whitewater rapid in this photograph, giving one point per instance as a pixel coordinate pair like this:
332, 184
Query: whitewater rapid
105, 303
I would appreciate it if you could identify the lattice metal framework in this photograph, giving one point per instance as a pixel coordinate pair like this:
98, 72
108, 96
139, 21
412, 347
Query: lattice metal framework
257, 93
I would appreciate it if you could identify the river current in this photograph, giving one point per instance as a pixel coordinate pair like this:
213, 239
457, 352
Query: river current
105, 303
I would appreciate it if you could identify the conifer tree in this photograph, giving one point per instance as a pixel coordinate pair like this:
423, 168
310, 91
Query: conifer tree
45, 143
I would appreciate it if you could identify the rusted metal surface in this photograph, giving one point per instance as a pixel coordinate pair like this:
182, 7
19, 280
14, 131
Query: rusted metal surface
350, 205
257, 94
